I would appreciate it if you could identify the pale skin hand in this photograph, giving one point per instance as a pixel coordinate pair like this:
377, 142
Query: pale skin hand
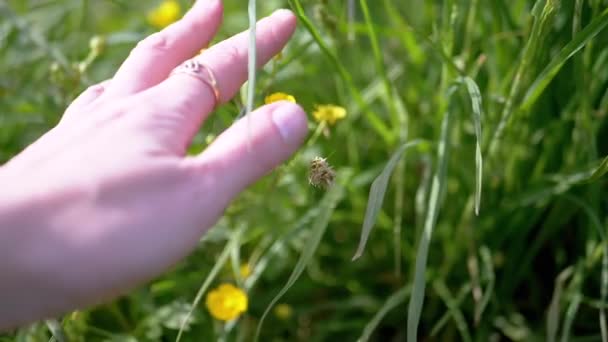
108, 199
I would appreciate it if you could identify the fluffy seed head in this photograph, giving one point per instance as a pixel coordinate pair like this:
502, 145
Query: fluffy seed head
322, 174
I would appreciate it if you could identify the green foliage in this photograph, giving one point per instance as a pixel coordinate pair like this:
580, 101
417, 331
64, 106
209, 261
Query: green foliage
522, 83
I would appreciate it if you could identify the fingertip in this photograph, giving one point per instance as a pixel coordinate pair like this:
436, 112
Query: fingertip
287, 19
286, 14
212, 10
255, 145
290, 121
213, 6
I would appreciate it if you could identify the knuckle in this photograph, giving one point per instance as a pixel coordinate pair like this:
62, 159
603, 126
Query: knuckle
233, 59
157, 42
96, 89
231, 55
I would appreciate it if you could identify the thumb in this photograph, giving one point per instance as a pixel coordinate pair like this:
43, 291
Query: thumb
243, 154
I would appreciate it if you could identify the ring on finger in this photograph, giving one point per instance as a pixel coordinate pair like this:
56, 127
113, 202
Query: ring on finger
197, 69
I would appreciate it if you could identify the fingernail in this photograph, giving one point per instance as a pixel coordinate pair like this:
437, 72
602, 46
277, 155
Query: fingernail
289, 122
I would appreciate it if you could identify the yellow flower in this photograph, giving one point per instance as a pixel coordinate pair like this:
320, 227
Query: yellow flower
329, 114
166, 13
245, 271
283, 311
279, 97
226, 302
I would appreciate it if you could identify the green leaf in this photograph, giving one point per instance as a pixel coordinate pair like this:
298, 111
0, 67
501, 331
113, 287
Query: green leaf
604, 293
453, 308
376, 195
392, 302
551, 70
210, 277
475, 96
329, 203
463, 293
571, 313
251, 65
599, 172
554, 307
56, 330
488, 269
437, 188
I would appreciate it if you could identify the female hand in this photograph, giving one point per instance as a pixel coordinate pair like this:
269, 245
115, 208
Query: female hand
107, 199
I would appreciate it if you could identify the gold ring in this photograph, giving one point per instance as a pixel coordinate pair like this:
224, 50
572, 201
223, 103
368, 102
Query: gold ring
200, 71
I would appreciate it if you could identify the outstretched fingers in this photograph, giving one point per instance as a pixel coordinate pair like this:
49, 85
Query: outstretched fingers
153, 58
188, 100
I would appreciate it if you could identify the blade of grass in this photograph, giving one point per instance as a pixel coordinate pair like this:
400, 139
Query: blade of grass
235, 260
400, 186
330, 201
453, 307
575, 300
543, 18
604, 294
376, 195
56, 330
422, 191
221, 260
471, 16
488, 268
460, 297
407, 35
378, 125
351, 20
575, 45
391, 302
261, 264
475, 96
554, 307
599, 172
251, 66
437, 187
399, 122
595, 222
378, 59
570, 316
279, 244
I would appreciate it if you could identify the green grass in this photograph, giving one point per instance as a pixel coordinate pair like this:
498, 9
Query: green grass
492, 227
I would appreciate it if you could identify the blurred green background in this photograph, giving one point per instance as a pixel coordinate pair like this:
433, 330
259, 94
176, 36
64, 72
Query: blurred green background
532, 266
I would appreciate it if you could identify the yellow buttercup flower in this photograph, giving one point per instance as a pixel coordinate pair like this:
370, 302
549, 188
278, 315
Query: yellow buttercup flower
329, 114
283, 311
279, 97
226, 302
166, 13
245, 271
